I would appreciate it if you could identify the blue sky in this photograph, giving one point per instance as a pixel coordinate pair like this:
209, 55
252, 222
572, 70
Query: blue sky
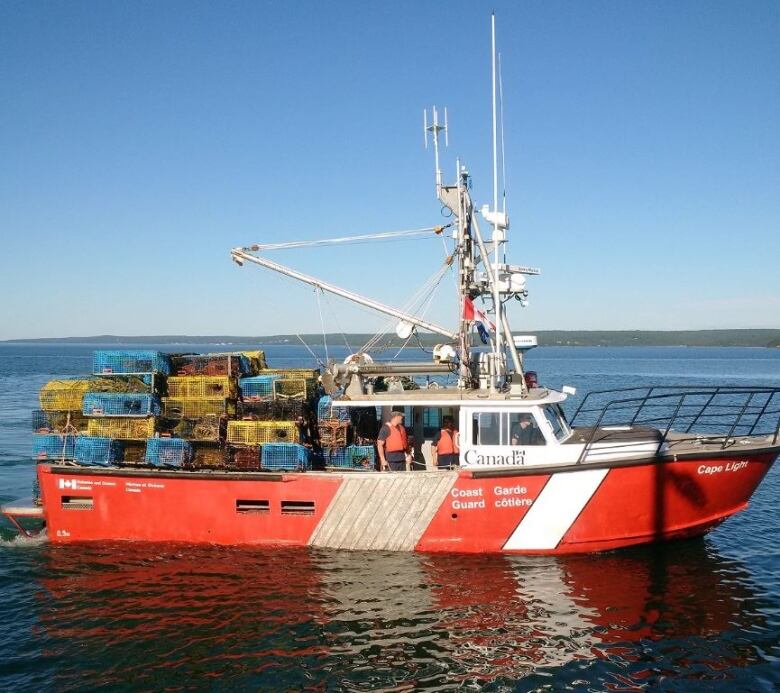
141, 141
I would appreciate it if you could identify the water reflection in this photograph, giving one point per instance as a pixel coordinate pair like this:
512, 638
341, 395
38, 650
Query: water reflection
178, 617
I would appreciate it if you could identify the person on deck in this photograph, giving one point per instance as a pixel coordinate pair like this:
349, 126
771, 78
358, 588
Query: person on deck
525, 433
304, 430
446, 445
393, 444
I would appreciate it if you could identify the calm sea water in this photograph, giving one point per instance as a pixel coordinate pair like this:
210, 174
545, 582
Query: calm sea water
694, 615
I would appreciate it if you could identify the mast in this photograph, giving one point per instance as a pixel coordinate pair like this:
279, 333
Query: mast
495, 278
463, 325
500, 364
456, 199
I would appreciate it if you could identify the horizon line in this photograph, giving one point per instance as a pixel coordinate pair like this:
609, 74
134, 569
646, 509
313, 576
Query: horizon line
317, 336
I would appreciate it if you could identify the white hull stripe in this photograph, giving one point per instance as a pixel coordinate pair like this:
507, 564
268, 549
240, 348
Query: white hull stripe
555, 510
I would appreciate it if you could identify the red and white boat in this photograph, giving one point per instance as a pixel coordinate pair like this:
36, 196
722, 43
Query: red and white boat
629, 467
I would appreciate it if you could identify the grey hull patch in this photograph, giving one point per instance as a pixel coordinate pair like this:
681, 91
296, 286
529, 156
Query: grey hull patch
382, 511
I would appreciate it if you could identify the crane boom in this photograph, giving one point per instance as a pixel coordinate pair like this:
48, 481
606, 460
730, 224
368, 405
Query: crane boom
240, 255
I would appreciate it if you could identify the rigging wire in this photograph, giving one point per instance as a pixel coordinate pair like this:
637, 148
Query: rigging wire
388, 325
409, 306
293, 282
421, 300
421, 346
385, 235
455, 276
316, 358
429, 288
335, 317
322, 323
423, 311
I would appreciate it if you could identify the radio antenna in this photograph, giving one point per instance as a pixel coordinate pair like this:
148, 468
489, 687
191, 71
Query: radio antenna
497, 234
503, 146
435, 128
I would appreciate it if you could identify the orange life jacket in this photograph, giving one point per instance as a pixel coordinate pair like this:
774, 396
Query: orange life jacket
397, 441
448, 445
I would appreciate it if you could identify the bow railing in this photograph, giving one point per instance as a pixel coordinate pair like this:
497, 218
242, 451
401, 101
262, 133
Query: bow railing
715, 415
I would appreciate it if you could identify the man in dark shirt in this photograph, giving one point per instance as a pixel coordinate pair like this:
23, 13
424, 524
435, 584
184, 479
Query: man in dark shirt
525, 433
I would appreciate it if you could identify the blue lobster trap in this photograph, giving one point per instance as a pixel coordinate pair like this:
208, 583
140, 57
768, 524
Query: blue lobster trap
168, 452
120, 404
361, 457
54, 447
258, 386
130, 362
285, 456
95, 451
326, 410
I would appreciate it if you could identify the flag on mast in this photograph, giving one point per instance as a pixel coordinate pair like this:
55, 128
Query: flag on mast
470, 312
468, 309
483, 333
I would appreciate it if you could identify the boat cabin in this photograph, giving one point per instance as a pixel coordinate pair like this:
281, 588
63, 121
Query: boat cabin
494, 431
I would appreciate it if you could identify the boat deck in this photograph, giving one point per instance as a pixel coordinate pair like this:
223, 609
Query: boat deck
20, 513
683, 444
22, 508
445, 395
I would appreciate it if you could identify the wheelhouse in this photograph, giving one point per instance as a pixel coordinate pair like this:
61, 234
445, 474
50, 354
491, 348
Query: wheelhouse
497, 431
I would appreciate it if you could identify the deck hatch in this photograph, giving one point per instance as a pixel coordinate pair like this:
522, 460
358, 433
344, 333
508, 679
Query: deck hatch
296, 507
77, 502
252, 506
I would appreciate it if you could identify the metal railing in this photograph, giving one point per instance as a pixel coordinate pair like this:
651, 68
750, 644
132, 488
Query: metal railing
715, 415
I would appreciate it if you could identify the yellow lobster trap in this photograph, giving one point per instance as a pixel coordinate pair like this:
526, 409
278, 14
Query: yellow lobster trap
121, 428
256, 360
294, 388
201, 386
63, 395
58, 421
259, 432
196, 407
210, 428
288, 373
209, 456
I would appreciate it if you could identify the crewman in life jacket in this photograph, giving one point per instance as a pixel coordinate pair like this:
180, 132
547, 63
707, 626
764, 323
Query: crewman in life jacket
446, 445
393, 444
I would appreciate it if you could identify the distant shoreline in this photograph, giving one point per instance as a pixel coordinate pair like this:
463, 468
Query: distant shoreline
764, 338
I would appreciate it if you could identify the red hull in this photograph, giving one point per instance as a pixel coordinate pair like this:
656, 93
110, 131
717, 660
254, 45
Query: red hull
575, 510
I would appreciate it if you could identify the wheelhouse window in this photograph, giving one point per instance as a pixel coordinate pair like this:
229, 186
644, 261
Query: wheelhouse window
524, 431
487, 428
431, 421
505, 428
556, 419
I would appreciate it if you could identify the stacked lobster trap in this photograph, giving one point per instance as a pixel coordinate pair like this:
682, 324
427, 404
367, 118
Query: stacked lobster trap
194, 411
271, 430
342, 438
105, 419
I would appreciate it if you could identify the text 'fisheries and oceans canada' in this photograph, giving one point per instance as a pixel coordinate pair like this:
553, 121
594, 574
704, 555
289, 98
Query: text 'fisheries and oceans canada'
501, 497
